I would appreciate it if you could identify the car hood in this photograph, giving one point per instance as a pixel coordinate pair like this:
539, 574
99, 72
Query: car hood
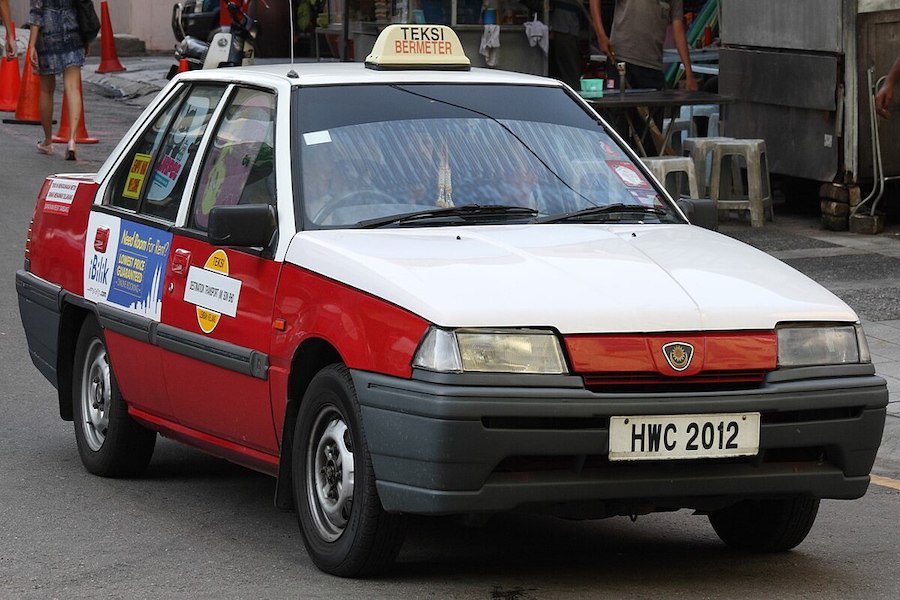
575, 278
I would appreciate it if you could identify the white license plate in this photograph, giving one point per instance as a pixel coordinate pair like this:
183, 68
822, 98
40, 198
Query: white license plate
660, 437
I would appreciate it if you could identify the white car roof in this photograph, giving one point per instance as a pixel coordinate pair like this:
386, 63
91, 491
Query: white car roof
333, 73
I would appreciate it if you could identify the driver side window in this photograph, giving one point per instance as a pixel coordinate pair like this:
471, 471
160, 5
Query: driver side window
240, 164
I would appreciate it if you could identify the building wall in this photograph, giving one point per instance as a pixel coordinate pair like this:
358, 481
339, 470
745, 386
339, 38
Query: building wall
149, 20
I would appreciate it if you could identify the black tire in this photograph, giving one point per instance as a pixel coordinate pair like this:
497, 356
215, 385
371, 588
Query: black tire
110, 442
345, 529
766, 525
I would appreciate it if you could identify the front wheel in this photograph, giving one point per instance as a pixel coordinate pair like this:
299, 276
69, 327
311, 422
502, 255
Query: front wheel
110, 442
766, 525
345, 529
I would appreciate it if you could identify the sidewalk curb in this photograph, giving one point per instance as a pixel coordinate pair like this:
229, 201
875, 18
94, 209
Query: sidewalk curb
141, 77
116, 87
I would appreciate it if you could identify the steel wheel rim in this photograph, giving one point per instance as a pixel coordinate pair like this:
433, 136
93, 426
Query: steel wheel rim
96, 392
329, 474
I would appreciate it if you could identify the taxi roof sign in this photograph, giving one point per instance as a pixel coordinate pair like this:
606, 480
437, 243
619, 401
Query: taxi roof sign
414, 46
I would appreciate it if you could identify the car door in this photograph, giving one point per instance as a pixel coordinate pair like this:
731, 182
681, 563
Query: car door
217, 308
129, 240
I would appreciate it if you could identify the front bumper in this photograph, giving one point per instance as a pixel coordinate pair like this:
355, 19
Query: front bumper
439, 446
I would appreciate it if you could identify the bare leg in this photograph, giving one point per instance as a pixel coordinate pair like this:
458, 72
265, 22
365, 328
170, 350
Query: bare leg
72, 84
45, 105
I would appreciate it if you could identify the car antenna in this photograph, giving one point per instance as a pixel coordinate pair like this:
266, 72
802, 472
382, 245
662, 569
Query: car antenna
292, 74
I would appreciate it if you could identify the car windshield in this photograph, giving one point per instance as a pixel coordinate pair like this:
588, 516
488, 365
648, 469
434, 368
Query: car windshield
372, 156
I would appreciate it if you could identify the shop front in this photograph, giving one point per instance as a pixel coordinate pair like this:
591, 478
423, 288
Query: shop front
494, 33
802, 74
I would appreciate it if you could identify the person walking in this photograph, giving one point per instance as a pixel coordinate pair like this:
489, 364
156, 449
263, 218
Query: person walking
10, 31
57, 47
638, 32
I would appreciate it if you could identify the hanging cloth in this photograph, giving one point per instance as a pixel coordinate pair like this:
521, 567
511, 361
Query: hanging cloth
490, 45
538, 34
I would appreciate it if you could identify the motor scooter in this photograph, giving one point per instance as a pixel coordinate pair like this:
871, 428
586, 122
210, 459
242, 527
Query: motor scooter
230, 46
197, 18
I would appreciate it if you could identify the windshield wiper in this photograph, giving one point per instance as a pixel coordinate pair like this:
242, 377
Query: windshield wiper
594, 211
465, 213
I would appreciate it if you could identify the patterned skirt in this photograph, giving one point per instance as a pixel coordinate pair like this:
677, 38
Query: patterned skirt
59, 51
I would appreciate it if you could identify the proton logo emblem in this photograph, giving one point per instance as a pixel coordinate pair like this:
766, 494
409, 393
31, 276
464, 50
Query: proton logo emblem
678, 355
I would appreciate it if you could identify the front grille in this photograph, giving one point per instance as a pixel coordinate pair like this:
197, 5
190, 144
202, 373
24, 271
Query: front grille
673, 362
709, 381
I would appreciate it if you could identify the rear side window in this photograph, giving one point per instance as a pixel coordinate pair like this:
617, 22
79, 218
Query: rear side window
152, 178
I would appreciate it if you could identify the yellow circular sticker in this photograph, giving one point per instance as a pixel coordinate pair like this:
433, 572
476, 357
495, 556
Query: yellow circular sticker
208, 319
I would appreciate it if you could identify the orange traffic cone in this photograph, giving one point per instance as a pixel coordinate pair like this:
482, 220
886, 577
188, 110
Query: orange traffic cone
28, 110
10, 82
81, 135
109, 58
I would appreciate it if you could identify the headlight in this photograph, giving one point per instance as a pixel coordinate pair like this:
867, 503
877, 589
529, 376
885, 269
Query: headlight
490, 351
822, 345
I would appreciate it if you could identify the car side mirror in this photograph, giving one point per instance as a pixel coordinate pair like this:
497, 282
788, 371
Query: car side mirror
701, 212
247, 226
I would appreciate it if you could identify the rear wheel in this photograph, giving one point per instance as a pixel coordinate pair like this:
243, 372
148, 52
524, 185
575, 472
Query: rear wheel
110, 442
345, 529
766, 525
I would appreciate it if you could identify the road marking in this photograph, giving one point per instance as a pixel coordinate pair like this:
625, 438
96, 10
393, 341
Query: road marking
886, 482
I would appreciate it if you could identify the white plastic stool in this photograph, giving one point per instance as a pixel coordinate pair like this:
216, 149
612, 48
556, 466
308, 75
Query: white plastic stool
708, 111
663, 166
700, 149
680, 129
728, 191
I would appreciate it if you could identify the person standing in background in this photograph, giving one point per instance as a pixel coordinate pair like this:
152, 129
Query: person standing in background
886, 92
57, 47
10, 32
565, 25
638, 32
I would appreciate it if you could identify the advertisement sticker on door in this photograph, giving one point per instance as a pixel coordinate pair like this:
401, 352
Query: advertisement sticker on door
124, 264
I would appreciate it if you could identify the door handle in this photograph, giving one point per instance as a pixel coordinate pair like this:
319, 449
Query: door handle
181, 260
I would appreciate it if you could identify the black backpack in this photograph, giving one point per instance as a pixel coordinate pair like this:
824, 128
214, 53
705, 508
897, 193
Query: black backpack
88, 22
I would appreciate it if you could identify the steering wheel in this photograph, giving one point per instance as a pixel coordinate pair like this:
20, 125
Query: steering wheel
355, 198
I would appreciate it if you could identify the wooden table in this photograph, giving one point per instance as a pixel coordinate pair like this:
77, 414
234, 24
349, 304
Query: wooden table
670, 101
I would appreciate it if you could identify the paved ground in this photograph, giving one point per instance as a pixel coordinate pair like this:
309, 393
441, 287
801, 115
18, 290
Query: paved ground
864, 270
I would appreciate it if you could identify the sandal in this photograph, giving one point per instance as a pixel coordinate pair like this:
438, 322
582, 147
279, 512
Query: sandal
70, 152
45, 148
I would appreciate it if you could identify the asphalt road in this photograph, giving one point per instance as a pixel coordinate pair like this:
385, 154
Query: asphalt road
199, 527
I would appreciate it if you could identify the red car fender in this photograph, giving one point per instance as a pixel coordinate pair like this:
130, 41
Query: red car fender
368, 332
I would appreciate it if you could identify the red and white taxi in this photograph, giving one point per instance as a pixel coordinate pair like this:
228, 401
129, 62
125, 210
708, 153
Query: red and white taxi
410, 287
